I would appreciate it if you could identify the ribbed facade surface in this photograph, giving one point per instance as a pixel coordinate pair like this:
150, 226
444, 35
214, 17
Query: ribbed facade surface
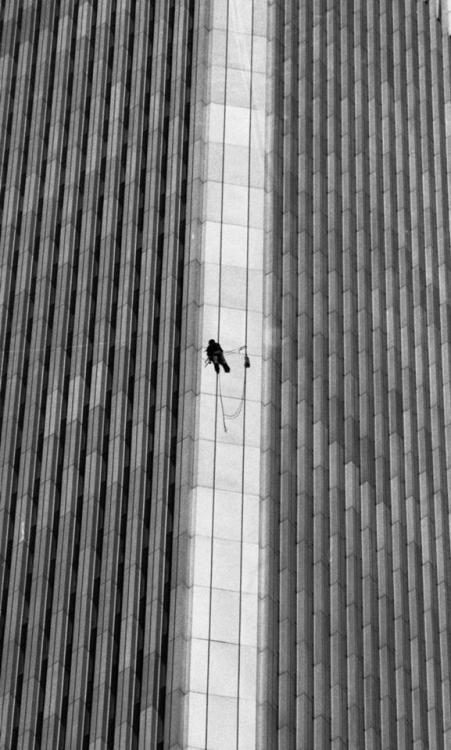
95, 108
253, 560
356, 593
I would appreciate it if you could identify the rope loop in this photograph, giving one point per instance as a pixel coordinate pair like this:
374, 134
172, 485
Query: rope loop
238, 410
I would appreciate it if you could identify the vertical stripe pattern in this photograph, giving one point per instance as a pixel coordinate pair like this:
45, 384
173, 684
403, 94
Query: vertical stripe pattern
254, 559
95, 108
355, 539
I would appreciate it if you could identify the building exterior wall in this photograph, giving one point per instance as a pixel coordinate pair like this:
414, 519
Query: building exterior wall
214, 696
260, 559
355, 629
95, 148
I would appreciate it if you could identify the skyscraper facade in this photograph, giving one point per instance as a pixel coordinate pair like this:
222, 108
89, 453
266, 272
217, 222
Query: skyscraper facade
254, 559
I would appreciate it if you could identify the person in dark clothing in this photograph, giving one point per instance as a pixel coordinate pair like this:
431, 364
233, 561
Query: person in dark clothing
216, 355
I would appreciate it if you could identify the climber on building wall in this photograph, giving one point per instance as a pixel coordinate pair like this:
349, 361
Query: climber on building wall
215, 354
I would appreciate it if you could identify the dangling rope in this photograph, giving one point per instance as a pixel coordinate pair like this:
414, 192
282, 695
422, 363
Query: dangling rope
239, 408
237, 411
222, 405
